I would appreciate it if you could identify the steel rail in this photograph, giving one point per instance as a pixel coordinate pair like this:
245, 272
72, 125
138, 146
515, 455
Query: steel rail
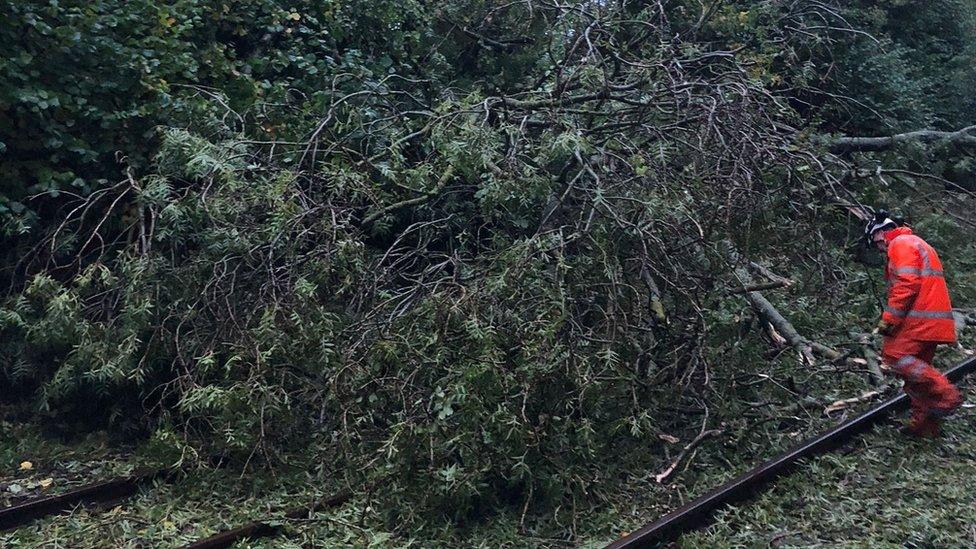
109, 491
697, 512
257, 530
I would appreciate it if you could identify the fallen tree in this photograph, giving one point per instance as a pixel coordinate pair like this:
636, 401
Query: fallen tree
469, 267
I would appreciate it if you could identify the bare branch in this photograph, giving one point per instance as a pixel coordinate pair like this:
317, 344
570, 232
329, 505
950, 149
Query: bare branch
965, 136
666, 474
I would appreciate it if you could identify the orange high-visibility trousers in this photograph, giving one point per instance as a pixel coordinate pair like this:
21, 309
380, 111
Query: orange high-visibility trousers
932, 395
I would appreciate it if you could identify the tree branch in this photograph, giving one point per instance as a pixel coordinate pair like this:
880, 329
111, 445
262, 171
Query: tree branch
965, 136
768, 312
666, 474
441, 183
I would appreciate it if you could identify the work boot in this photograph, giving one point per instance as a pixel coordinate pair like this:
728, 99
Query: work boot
948, 404
922, 424
929, 427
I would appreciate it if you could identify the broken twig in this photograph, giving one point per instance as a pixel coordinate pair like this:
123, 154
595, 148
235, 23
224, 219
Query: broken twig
666, 474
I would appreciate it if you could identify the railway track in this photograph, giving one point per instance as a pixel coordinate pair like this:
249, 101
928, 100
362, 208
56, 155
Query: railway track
697, 513
257, 530
100, 493
108, 493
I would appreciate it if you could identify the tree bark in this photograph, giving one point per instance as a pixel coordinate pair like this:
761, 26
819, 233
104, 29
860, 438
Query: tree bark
840, 145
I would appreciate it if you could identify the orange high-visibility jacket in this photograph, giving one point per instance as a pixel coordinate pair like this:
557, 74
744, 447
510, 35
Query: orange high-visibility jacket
918, 300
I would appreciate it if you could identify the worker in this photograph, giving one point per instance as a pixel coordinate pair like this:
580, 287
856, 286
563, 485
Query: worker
916, 319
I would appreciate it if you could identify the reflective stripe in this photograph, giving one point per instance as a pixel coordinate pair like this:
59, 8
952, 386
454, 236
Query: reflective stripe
924, 254
910, 367
918, 314
905, 361
896, 312
916, 271
930, 314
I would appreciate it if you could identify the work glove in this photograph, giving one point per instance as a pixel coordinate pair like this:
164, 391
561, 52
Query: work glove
884, 328
657, 310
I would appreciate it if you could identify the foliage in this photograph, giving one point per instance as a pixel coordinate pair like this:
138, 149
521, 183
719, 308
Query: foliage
66, 118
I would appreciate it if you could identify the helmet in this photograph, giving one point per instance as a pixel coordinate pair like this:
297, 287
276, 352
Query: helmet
882, 221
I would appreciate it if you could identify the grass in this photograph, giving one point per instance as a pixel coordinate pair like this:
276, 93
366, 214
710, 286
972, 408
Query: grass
884, 490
